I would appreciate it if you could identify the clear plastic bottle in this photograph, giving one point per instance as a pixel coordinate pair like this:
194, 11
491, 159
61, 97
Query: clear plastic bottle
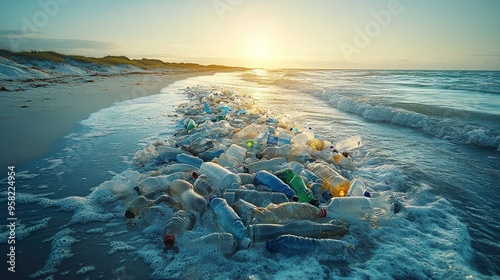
348, 144
137, 207
244, 209
183, 191
268, 179
269, 165
264, 232
258, 198
286, 212
180, 222
332, 180
236, 153
160, 183
230, 221
342, 159
189, 159
357, 188
203, 186
262, 138
220, 176
275, 152
297, 184
291, 245
357, 208
223, 240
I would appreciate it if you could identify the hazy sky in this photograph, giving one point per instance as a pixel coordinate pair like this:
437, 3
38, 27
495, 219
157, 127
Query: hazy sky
404, 34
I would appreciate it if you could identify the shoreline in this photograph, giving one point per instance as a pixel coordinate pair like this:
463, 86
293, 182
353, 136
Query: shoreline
32, 120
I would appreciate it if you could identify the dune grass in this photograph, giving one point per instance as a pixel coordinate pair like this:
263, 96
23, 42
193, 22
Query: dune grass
144, 63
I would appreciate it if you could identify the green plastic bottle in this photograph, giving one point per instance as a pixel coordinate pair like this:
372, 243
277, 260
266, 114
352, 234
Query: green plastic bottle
190, 124
297, 184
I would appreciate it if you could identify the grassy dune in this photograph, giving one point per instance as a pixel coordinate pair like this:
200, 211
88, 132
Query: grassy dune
144, 63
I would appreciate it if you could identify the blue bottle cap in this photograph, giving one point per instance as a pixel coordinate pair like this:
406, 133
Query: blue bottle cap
367, 194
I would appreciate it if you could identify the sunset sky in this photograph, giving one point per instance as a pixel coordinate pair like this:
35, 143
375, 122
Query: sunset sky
382, 34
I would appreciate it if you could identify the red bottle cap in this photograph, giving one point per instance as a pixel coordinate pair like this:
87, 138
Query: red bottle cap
322, 213
169, 240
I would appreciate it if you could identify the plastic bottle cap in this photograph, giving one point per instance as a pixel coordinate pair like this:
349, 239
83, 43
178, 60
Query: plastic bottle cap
295, 198
322, 213
169, 240
245, 243
367, 194
195, 175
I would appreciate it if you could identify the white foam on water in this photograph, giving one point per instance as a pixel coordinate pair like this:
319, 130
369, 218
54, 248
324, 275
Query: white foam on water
85, 270
61, 250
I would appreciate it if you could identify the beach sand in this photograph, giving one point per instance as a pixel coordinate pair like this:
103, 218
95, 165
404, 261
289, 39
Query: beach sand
32, 120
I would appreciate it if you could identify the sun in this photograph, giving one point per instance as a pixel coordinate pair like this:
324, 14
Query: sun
260, 51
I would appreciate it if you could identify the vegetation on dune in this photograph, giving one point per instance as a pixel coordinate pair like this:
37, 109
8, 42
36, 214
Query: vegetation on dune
144, 63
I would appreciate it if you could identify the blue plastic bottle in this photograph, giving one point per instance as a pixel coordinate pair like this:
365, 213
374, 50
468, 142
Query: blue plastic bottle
268, 179
230, 221
189, 159
207, 108
291, 244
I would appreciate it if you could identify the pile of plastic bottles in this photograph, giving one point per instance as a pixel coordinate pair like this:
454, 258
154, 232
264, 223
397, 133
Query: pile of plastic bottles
263, 179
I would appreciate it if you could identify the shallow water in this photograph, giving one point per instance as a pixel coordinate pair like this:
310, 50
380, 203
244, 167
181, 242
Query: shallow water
430, 138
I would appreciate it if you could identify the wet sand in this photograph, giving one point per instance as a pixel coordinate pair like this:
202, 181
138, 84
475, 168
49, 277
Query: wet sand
32, 120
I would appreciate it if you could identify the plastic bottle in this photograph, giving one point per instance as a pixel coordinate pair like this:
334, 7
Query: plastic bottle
189, 159
198, 145
332, 181
357, 188
220, 176
236, 153
356, 208
137, 207
189, 124
269, 165
223, 240
152, 184
203, 186
342, 159
317, 144
189, 199
166, 153
284, 139
230, 221
286, 212
207, 108
180, 222
348, 144
244, 209
258, 198
291, 245
274, 152
268, 179
297, 184
262, 138
264, 232
209, 155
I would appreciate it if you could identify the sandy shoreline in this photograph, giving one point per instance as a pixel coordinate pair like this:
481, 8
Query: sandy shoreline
31, 121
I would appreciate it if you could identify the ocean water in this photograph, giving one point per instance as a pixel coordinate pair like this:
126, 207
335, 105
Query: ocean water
430, 138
